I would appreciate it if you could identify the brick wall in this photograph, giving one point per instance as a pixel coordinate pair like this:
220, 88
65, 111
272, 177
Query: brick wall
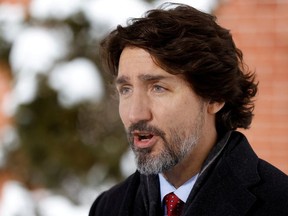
260, 30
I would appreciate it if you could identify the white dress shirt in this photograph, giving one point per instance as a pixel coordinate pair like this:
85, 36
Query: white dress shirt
182, 192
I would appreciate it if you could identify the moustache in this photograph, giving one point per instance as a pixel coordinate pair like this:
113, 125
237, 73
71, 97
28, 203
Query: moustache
144, 126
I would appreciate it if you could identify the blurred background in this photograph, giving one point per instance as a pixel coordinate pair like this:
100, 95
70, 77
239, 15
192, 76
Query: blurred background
61, 139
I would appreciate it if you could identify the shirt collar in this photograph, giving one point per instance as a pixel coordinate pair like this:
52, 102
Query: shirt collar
182, 192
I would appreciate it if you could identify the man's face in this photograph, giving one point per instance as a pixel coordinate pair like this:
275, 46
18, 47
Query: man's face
162, 115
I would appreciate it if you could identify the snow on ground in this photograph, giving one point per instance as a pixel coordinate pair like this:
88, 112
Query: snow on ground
16, 200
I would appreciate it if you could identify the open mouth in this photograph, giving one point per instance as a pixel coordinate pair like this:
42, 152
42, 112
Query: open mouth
143, 139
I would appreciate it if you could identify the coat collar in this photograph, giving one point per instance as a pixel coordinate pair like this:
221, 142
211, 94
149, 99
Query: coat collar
242, 160
224, 187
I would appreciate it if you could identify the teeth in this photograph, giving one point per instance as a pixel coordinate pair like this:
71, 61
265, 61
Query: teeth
145, 136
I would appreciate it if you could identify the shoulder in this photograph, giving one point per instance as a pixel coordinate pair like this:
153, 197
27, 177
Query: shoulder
274, 183
111, 201
268, 184
271, 191
245, 163
244, 156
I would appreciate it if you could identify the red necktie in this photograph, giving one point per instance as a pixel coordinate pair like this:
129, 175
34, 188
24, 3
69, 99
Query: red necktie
174, 205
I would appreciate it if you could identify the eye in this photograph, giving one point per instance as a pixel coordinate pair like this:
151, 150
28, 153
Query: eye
124, 90
158, 88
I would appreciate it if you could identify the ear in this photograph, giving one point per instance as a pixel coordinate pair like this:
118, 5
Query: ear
214, 107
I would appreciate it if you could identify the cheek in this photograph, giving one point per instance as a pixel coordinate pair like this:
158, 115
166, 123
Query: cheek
120, 109
180, 116
178, 109
123, 114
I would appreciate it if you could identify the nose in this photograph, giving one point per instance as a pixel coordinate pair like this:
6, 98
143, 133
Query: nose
139, 109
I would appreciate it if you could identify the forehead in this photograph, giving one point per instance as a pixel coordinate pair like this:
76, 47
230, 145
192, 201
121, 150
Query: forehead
133, 56
138, 62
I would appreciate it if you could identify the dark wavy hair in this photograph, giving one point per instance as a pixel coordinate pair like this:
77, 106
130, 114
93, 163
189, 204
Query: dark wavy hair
183, 40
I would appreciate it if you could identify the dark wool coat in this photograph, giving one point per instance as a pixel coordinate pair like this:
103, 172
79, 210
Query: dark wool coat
236, 183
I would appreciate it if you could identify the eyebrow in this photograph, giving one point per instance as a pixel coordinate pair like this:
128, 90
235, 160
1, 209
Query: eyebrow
149, 77
121, 80
143, 77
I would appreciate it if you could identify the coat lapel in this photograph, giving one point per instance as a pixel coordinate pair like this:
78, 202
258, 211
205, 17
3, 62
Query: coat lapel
152, 186
147, 200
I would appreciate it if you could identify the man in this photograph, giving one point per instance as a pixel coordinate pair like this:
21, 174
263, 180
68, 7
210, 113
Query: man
183, 91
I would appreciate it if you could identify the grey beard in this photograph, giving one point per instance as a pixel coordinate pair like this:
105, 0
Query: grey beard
171, 155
